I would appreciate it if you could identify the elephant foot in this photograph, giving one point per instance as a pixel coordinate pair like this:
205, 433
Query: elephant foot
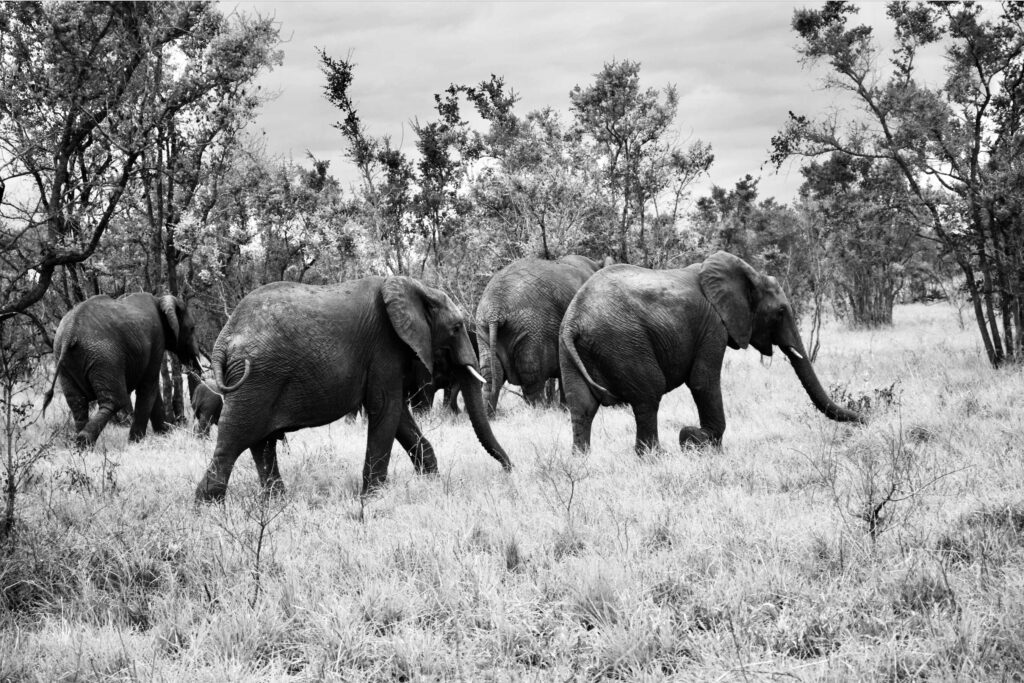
697, 437
428, 467
371, 486
210, 491
84, 440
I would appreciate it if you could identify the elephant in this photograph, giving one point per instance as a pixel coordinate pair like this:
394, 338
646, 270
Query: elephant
517, 322
206, 406
107, 348
633, 334
294, 355
426, 386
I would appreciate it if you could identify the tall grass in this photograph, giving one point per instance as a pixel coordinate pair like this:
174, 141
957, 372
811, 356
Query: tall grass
767, 558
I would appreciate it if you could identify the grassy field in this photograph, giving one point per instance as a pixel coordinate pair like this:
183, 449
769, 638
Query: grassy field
801, 550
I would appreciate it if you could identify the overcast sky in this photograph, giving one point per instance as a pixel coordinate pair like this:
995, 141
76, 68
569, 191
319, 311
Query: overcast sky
734, 65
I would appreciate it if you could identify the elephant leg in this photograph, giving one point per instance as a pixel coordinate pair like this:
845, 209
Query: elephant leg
553, 392
147, 404
493, 387
215, 481
451, 398
646, 416
77, 404
107, 407
158, 415
583, 407
712, 418
200, 423
264, 454
533, 392
416, 445
382, 419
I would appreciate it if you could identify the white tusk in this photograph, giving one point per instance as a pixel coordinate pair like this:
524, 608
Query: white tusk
795, 353
479, 377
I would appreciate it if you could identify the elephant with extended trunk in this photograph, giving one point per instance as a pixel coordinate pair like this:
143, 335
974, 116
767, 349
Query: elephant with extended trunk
106, 348
294, 356
632, 335
517, 322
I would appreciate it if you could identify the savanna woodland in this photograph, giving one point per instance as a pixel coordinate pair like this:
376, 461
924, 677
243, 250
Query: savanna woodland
802, 548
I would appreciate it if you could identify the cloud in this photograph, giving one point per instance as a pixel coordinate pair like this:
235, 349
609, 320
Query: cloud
734, 65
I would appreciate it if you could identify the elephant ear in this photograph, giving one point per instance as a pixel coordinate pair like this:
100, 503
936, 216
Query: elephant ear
405, 300
730, 284
169, 306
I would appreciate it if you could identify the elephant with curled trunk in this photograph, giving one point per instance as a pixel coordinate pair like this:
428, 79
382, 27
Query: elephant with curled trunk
294, 356
107, 348
517, 322
632, 335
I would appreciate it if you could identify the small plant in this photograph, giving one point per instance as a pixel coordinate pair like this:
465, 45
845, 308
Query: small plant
261, 508
562, 475
865, 401
870, 477
18, 360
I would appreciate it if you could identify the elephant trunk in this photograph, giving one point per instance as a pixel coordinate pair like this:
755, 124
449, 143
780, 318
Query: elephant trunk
492, 339
473, 396
809, 379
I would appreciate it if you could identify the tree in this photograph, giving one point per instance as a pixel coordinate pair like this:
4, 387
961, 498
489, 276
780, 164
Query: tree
221, 60
869, 224
386, 174
76, 115
958, 144
543, 195
263, 221
629, 126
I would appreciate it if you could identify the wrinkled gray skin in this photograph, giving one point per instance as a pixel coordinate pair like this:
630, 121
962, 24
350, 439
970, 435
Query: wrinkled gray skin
294, 356
206, 406
425, 386
106, 348
632, 335
517, 322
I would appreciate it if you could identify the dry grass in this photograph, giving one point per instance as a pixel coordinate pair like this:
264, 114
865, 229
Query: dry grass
803, 549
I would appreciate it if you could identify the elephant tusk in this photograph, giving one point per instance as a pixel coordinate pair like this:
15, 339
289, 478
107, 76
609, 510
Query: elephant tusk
795, 353
476, 374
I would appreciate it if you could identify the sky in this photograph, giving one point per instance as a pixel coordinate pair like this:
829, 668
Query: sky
734, 64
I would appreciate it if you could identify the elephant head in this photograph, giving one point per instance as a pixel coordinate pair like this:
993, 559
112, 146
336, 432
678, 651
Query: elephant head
431, 325
755, 311
179, 329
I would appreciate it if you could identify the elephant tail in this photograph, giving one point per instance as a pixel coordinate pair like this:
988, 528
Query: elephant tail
48, 396
569, 341
492, 337
219, 373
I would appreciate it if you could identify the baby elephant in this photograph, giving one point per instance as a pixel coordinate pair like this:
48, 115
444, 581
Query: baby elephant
206, 406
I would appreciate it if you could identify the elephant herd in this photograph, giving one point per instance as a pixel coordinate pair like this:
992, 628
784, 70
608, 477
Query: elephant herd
294, 355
